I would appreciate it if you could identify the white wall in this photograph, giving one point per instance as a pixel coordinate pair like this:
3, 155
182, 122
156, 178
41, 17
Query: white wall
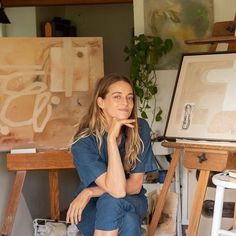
1, 30
23, 22
166, 83
224, 10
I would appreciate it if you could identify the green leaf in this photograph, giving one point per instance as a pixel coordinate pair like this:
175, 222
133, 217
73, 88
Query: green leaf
153, 90
157, 42
148, 97
144, 53
158, 115
127, 58
168, 44
139, 92
127, 50
144, 115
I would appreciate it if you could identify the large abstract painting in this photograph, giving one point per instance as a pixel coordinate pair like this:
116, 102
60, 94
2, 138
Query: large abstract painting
179, 20
204, 105
45, 88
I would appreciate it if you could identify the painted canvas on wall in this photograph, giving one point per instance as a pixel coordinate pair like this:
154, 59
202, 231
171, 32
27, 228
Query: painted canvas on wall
204, 105
179, 20
45, 88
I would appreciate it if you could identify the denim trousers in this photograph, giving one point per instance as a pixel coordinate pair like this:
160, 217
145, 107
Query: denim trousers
108, 213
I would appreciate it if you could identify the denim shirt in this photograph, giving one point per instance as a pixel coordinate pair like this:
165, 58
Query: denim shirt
90, 164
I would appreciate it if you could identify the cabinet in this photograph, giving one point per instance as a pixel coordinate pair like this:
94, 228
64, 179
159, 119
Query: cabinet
18, 3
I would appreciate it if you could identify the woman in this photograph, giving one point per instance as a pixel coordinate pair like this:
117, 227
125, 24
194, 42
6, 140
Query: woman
111, 154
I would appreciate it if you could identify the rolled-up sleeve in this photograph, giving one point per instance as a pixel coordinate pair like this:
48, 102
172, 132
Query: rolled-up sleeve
87, 161
147, 161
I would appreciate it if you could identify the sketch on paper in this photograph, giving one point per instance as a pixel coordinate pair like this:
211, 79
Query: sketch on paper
179, 20
187, 117
203, 104
45, 86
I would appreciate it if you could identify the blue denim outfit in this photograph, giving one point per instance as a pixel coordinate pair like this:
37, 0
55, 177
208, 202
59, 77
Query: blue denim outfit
106, 212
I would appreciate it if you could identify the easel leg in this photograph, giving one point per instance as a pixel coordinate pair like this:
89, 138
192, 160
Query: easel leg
162, 197
13, 203
54, 194
234, 221
198, 203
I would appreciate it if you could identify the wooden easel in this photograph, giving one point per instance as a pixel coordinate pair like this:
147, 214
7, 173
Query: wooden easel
51, 161
206, 158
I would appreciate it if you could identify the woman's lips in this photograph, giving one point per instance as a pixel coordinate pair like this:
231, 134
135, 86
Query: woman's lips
124, 110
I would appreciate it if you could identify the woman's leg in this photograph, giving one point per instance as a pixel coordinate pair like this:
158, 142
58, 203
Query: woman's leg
117, 215
130, 225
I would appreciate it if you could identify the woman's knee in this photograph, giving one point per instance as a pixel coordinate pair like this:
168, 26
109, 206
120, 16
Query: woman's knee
110, 210
108, 203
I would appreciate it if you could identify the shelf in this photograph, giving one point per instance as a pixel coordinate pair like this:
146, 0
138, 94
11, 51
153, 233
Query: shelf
21, 3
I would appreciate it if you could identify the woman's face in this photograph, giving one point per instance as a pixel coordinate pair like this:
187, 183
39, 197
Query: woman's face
119, 101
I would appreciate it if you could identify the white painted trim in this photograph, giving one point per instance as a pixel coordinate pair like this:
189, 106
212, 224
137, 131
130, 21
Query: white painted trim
2, 30
138, 17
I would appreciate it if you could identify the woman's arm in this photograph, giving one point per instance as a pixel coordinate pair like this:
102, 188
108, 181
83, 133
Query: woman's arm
134, 183
113, 181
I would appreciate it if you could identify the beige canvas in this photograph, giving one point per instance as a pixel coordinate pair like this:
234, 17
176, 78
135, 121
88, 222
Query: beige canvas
45, 88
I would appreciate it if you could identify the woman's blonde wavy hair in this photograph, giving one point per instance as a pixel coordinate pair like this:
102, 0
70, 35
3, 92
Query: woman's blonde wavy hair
94, 122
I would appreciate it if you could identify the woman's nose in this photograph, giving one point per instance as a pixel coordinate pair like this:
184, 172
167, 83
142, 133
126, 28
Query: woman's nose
125, 101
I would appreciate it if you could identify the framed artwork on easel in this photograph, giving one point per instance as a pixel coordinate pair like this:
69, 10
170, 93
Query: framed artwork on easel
203, 106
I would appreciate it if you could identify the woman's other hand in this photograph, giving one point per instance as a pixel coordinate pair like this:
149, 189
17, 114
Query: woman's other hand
77, 206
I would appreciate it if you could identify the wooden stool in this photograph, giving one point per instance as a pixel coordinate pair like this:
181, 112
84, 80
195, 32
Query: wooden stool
221, 181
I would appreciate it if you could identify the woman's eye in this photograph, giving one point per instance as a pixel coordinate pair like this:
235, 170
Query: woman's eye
131, 98
117, 97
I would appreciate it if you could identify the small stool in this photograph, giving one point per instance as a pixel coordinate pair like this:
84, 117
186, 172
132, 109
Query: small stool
222, 181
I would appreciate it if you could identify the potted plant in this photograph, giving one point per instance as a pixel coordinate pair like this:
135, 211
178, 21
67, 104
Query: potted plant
144, 54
